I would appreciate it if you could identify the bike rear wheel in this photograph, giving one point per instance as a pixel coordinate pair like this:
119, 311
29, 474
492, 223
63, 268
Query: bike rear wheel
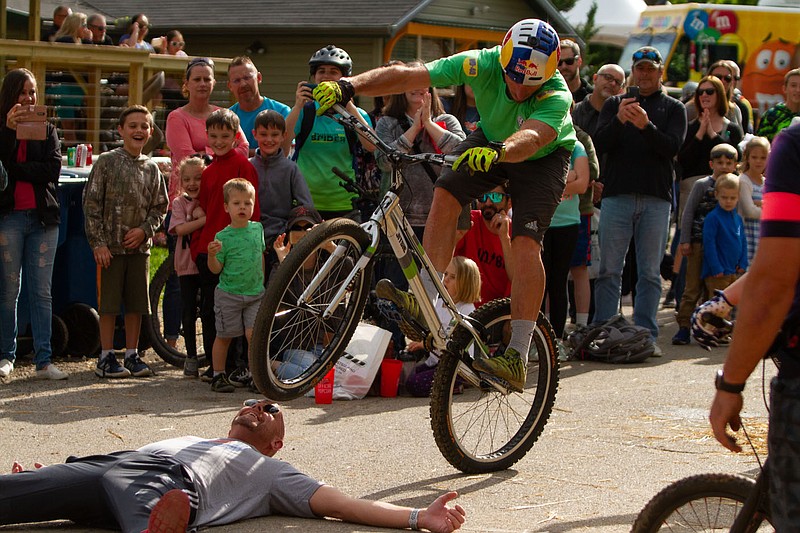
485, 430
153, 324
293, 344
706, 502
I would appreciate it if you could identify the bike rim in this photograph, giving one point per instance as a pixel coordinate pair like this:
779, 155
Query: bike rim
491, 425
301, 338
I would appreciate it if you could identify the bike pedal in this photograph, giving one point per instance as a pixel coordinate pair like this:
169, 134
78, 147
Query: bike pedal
502, 383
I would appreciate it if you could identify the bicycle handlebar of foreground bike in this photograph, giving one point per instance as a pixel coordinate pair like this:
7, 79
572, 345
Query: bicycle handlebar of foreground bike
338, 113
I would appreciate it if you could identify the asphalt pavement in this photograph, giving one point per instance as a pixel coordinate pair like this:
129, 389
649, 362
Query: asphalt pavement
618, 435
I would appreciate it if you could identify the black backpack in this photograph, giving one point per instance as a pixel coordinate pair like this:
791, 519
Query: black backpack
614, 341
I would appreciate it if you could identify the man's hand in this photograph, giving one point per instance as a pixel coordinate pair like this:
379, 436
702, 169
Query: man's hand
102, 256
133, 238
329, 93
710, 321
478, 159
725, 412
631, 111
440, 518
499, 224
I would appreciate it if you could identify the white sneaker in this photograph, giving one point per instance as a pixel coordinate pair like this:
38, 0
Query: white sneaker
51, 372
6, 367
657, 351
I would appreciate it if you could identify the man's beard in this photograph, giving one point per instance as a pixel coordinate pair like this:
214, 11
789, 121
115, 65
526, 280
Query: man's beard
489, 212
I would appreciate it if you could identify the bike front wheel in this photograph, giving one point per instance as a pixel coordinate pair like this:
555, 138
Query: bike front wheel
297, 340
706, 502
478, 428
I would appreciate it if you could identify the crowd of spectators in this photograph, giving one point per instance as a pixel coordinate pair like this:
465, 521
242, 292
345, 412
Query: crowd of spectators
640, 155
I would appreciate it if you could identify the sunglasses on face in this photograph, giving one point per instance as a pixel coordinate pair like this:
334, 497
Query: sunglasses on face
650, 55
569, 61
300, 228
724, 77
177, 43
708, 90
610, 78
495, 197
271, 408
98, 28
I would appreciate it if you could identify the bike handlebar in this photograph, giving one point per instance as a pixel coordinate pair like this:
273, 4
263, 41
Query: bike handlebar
338, 113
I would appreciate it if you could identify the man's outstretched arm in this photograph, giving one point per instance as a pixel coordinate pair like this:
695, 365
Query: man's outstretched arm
438, 517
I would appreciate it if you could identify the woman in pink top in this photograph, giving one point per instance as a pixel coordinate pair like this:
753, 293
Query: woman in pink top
186, 126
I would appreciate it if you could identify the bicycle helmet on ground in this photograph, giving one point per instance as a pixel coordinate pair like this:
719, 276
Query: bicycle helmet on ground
530, 51
331, 55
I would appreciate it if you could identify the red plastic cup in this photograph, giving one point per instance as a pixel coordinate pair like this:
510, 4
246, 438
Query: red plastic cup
323, 391
390, 377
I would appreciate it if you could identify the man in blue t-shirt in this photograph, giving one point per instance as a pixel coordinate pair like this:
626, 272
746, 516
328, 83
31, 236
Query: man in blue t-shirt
525, 136
771, 302
243, 80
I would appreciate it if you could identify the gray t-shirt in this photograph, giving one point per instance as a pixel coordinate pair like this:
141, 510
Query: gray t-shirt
235, 481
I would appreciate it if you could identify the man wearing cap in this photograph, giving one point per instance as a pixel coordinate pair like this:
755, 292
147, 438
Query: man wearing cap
174, 484
569, 65
637, 138
525, 137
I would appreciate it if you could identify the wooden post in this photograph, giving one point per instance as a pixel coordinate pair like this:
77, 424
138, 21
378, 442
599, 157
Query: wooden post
34, 20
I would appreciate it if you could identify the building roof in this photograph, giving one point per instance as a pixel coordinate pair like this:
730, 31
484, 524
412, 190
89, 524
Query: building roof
365, 16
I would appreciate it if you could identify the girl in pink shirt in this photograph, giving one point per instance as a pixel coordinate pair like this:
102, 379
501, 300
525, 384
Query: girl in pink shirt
184, 223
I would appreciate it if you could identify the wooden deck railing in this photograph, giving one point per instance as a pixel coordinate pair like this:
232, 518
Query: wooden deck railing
91, 67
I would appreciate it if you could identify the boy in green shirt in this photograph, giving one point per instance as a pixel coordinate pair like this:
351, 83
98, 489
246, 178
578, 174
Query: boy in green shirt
237, 255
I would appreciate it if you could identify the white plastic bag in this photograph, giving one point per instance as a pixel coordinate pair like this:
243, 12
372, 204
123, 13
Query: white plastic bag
355, 370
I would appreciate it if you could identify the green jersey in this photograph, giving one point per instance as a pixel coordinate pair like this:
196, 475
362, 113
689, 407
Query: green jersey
500, 115
241, 257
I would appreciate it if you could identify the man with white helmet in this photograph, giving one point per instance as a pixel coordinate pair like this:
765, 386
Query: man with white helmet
525, 136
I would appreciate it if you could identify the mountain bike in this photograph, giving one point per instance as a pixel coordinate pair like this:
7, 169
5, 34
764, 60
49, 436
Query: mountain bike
316, 298
709, 502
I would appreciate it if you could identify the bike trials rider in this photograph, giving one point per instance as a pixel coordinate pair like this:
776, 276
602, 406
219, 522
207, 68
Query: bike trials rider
525, 136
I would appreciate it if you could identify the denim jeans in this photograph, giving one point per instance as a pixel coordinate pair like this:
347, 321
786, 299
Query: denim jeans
646, 219
27, 248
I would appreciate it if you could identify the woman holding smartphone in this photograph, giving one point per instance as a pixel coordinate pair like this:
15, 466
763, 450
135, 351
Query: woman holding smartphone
29, 218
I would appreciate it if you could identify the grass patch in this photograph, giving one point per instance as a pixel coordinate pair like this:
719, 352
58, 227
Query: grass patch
157, 256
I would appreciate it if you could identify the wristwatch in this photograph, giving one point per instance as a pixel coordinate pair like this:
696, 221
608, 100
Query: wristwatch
721, 384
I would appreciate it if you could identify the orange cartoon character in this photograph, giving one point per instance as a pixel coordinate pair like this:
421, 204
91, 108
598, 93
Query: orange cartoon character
763, 76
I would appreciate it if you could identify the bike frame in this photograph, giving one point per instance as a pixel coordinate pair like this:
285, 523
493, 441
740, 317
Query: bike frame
390, 219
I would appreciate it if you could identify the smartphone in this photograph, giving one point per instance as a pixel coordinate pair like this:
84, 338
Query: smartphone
311, 86
34, 128
633, 92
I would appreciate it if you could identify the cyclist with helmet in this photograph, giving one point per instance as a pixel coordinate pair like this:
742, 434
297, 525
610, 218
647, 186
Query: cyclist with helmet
322, 143
525, 136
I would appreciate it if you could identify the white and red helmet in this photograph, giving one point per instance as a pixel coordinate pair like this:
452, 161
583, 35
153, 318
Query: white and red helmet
530, 51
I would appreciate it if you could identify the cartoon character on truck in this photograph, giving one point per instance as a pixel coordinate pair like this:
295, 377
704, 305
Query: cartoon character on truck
690, 37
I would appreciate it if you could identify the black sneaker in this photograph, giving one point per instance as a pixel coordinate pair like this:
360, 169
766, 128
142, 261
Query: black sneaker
109, 367
241, 377
220, 383
208, 375
137, 367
